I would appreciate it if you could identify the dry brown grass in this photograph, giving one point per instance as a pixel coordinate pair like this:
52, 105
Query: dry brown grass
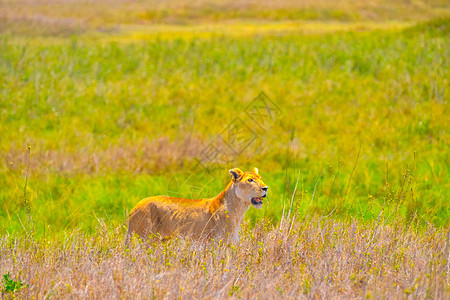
50, 17
315, 258
142, 157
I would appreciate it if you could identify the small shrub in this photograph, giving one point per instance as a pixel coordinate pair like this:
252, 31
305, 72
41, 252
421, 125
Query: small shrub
11, 286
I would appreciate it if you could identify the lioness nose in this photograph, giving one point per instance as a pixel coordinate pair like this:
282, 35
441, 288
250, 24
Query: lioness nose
265, 188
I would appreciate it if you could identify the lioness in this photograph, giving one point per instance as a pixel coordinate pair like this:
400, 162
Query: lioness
219, 217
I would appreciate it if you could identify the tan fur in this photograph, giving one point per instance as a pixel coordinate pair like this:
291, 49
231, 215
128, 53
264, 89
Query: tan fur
219, 217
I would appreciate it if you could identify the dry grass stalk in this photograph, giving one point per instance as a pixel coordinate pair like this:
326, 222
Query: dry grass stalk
320, 258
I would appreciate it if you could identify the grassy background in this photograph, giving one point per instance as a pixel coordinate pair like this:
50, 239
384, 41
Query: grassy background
63, 17
119, 101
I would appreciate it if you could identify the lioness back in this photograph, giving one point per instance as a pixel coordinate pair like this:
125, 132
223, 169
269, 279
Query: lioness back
164, 216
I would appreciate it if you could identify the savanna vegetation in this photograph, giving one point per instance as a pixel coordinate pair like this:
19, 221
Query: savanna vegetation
342, 105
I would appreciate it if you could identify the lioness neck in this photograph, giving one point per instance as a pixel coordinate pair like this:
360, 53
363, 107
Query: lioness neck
227, 200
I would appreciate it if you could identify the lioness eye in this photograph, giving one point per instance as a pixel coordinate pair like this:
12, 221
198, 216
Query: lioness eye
250, 180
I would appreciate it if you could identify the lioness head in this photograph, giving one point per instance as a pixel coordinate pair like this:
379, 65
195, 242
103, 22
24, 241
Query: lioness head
249, 186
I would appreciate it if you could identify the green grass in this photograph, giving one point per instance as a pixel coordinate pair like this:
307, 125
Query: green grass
111, 122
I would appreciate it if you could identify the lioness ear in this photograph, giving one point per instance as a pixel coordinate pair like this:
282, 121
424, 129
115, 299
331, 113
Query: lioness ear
236, 174
255, 170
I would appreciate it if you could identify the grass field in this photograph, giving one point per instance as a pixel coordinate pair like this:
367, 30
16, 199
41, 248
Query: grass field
314, 258
119, 100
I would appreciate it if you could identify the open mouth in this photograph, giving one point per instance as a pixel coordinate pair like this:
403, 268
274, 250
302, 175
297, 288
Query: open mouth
258, 200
